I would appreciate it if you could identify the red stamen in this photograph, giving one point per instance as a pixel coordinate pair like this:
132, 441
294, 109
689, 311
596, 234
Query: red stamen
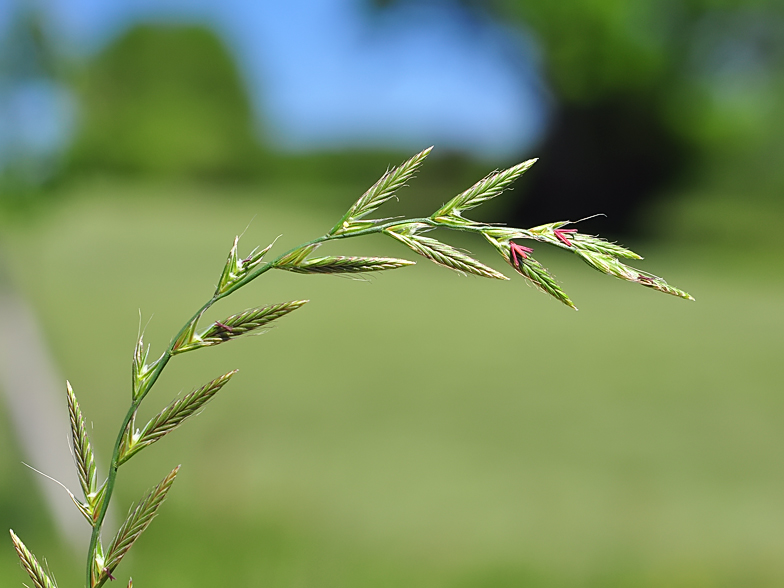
108, 573
224, 327
515, 250
559, 233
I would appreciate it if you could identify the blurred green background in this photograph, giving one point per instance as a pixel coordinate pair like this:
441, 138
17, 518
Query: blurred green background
418, 428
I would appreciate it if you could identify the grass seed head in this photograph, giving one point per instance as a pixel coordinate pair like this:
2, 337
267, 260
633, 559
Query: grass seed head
32, 567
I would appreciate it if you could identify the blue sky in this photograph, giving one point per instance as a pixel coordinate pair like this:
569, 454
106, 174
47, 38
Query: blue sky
326, 73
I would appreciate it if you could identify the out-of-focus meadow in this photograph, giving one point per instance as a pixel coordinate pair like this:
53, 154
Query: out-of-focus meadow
421, 428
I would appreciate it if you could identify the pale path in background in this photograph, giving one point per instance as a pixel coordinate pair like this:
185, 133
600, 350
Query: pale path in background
35, 396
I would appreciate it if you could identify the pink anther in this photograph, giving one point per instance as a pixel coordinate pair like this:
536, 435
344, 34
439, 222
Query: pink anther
561, 235
515, 250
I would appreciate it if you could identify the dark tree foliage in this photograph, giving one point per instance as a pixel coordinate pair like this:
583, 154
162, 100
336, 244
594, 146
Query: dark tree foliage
606, 157
631, 83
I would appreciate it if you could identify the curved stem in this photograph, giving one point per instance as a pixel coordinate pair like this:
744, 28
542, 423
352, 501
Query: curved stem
324, 238
114, 465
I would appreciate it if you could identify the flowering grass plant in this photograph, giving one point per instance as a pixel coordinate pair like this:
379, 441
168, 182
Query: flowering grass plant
96, 494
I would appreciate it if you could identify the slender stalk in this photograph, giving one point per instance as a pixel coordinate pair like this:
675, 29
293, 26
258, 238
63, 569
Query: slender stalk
113, 467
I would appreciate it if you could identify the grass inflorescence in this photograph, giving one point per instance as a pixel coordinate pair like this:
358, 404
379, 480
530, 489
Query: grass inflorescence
239, 271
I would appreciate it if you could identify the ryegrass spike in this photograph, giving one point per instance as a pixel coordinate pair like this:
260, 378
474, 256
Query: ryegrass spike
555, 234
138, 520
83, 453
381, 191
349, 265
539, 276
446, 255
172, 417
611, 266
599, 245
31, 565
518, 257
245, 322
234, 326
484, 190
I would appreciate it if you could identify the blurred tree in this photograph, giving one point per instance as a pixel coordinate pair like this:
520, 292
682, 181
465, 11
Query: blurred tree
167, 101
640, 92
26, 51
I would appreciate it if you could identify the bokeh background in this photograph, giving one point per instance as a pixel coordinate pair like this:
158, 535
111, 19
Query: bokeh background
419, 428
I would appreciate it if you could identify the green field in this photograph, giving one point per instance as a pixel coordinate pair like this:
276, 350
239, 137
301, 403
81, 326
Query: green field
419, 428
